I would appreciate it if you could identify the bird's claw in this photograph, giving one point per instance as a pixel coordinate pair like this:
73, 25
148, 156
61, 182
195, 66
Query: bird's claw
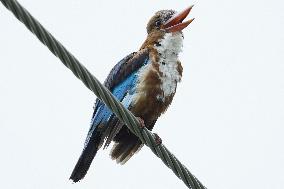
141, 122
158, 139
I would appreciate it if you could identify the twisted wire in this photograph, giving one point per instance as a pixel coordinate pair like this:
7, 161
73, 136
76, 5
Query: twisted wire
102, 93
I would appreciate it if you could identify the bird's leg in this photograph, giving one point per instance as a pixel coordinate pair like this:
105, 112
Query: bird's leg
158, 139
141, 122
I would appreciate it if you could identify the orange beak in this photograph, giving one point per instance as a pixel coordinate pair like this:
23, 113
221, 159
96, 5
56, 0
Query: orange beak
175, 24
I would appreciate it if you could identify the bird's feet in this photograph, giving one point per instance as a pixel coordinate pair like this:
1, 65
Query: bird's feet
158, 139
141, 122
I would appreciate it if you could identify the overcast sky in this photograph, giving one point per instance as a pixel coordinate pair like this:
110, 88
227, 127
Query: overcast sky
226, 121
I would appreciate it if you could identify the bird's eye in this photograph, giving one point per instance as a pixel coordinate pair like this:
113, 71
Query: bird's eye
158, 23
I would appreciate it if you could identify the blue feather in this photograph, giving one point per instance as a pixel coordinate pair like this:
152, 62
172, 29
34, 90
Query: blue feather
121, 81
120, 91
123, 91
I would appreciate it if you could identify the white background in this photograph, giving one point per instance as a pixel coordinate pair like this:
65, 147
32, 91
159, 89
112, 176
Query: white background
226, 121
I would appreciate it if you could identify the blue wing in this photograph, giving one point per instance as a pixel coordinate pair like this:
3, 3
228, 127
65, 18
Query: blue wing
121, 82
102, 114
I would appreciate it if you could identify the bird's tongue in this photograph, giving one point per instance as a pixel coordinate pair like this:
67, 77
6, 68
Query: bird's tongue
175, 23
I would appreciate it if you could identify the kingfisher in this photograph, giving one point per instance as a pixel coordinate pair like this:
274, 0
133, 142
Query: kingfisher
145, 82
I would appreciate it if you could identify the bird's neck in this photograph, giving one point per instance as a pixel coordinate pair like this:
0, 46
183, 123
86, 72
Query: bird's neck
164, 45
169, 46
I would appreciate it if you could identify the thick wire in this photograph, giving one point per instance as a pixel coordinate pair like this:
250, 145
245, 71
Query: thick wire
102, 93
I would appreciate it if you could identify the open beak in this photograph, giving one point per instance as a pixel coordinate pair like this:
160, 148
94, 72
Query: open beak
175, 23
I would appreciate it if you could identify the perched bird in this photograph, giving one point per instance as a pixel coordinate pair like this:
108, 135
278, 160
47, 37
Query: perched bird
145, 82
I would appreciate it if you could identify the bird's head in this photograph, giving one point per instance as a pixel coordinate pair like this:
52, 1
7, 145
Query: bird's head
169, 21
166, 21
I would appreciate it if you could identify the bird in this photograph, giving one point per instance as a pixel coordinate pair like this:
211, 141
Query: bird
145, 82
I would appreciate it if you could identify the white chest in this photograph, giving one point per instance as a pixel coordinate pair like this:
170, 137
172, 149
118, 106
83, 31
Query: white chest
169, 47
